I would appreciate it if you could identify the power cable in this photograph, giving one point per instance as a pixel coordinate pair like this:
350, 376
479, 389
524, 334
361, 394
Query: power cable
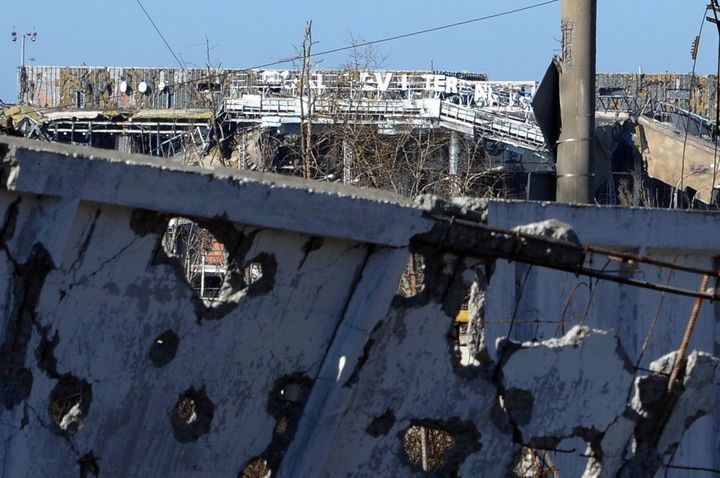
161, 35
326, 52
411, 34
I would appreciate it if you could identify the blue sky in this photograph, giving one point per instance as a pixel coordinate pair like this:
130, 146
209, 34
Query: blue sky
653, 33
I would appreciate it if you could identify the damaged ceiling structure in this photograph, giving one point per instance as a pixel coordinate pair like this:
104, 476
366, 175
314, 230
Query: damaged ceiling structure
308, 362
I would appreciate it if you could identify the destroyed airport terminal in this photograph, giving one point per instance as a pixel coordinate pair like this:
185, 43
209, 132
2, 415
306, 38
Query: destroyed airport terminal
470, 134
214, 272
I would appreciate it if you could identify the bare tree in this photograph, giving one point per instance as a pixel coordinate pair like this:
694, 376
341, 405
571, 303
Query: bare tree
306, 144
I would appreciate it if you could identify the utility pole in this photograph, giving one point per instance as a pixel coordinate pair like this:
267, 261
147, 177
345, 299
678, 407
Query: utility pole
577, 102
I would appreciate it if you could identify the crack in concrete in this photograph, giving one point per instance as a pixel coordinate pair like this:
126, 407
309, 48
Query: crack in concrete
104, 264
85, 243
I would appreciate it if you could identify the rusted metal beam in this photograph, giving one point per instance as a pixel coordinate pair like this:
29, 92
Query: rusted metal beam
475, 239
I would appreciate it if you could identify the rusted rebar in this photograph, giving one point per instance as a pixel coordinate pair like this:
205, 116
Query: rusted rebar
680, 357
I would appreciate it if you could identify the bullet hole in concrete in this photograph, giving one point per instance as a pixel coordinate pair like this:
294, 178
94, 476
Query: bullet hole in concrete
202, 256
258, 275
380, 426
426, 446
252, 273
432, 276
211, 257
438, 447
412, 282
69, 403
257, 468
88, 465
192, 415
459, 334
533, 462
286, 403
287, 400
164, 348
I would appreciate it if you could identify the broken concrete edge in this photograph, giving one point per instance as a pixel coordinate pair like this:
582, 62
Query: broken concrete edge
269, 200
656, 227
647, 424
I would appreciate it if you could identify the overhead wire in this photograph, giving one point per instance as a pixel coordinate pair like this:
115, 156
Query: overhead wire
182, 65
411, 34
324, 52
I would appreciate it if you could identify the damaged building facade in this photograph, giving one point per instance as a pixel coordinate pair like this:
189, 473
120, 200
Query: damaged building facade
308, 363
462, 133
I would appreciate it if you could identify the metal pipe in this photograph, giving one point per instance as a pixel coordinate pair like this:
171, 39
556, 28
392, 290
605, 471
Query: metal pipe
577, 101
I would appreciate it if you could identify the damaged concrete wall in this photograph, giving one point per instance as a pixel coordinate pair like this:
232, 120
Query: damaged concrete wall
111, 364
545, 304
103, 340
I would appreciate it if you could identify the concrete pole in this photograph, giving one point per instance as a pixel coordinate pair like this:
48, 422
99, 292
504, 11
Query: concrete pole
577, 101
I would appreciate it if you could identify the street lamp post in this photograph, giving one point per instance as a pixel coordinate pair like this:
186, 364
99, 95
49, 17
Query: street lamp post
31, 35
21, 71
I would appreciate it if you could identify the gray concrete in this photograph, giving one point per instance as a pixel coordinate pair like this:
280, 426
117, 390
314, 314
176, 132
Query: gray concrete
322, 370
575, 182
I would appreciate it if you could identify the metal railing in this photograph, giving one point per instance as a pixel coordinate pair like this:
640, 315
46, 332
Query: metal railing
494, 126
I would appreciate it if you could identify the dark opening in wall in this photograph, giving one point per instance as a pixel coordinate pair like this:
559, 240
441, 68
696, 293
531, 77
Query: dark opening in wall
69, 403
258, 275
88, 465
212, 259
202, 256
439, 447
460, 333
381, 425
426, 446
192, 415
257, 468
412, 281
530, 462
163, 349
286, 403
